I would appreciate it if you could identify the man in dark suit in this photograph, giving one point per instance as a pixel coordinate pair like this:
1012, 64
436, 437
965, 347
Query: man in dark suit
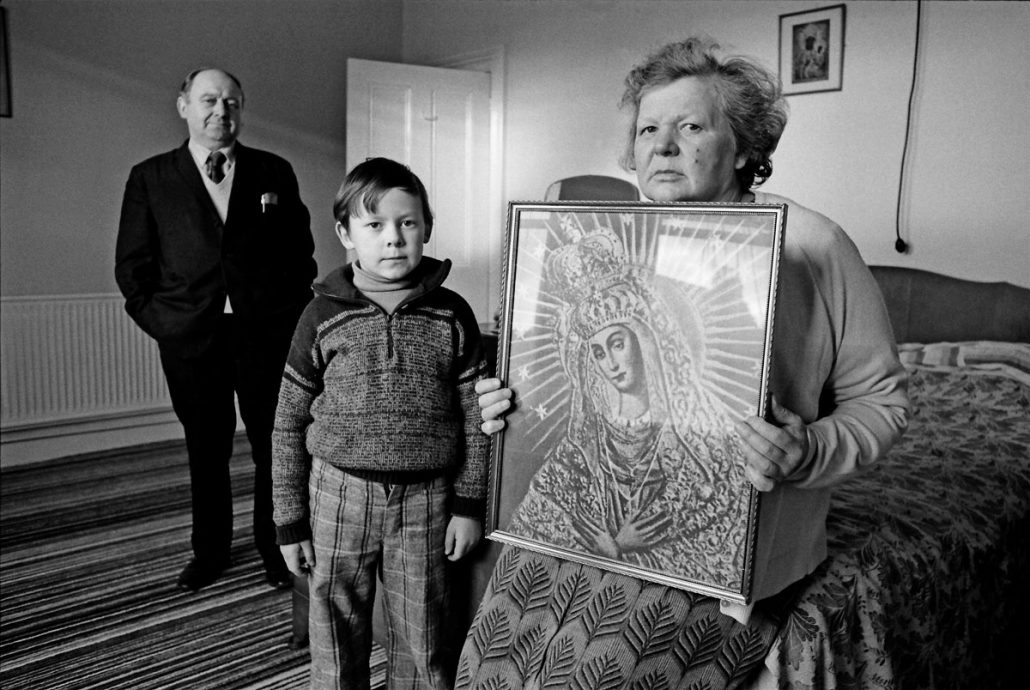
215, 260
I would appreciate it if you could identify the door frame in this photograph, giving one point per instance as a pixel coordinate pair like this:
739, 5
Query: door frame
491, 61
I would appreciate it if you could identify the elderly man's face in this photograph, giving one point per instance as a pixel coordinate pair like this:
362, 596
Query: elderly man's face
212, 110
684, 149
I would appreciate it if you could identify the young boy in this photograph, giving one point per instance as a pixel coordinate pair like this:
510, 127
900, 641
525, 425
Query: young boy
379, 463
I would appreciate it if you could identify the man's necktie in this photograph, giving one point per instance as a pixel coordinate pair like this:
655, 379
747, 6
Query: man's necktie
213, 166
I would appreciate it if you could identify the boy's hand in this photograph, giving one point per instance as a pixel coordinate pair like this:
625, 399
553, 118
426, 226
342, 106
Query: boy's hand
463, 533
300, 558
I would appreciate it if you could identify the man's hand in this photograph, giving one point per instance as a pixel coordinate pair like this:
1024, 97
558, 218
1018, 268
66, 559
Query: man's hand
300, 558
494, 401
772, 453
463, 533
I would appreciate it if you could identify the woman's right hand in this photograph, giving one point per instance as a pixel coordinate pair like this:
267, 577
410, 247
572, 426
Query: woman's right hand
494, 401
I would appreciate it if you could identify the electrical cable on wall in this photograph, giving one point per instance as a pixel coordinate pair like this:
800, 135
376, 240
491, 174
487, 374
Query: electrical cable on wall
900, 245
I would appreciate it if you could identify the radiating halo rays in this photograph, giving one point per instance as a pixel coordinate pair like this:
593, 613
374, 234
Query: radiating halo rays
712, 268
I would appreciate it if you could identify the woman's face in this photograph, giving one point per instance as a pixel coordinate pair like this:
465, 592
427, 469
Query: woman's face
684, 149
617, 355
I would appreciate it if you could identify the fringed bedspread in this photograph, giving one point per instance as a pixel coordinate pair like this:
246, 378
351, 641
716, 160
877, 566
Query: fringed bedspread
925, 585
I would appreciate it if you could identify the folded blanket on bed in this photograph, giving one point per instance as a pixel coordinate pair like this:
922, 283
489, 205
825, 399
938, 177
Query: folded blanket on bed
1010, 358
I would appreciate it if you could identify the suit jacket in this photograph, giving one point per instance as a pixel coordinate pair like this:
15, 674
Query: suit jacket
175, 261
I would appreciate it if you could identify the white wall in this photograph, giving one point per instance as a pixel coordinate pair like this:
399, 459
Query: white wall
94, 86
93, 89
966, 208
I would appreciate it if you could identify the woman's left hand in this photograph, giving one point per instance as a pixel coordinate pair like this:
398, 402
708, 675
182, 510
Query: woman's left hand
772, 453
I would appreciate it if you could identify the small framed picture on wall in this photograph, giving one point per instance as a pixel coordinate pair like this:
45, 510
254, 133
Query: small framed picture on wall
812, 50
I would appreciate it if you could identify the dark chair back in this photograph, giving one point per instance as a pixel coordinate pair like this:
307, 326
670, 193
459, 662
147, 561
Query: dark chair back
592, 188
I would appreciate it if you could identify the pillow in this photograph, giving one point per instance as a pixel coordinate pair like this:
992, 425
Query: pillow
1013, 358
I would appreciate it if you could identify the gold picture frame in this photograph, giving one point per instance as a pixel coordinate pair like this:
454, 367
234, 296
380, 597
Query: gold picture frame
635, 335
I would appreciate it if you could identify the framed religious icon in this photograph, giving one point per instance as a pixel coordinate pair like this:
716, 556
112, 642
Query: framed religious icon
812, 50
635, 335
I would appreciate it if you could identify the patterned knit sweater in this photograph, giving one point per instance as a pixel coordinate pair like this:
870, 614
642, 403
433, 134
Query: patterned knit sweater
386, 397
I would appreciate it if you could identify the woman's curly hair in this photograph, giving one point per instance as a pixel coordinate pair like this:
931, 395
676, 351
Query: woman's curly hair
749, 95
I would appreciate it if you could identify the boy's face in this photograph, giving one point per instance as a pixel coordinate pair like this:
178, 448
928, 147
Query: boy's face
389, 242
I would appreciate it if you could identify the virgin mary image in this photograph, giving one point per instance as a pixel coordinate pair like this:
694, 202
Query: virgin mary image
647, 472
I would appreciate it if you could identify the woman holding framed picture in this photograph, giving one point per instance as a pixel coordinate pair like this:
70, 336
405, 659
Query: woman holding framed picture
703, 128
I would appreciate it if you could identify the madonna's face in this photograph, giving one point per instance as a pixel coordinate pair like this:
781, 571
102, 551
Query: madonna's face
616, 353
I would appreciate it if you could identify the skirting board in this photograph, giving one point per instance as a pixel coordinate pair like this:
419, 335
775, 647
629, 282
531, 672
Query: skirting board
26, 446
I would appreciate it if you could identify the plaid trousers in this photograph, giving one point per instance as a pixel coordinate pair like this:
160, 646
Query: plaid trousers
360, 529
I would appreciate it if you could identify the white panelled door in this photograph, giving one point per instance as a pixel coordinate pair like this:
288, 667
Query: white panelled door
437, 122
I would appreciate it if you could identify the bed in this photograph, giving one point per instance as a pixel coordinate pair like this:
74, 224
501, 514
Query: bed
925, 585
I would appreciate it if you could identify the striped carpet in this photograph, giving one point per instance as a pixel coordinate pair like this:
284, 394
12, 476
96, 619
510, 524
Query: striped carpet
90, 547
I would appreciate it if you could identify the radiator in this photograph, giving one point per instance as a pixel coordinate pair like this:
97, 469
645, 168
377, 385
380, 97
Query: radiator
73, 358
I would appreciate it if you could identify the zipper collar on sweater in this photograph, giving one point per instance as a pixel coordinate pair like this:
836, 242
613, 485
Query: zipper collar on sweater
339, 284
